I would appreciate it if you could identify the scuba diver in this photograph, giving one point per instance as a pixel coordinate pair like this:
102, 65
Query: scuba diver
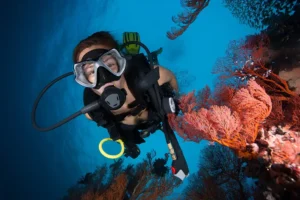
124, 92
131, 114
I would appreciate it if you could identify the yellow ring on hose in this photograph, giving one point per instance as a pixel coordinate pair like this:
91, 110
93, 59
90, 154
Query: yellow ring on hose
108, 155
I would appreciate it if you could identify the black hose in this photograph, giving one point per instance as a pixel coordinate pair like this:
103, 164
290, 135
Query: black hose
84, 110
93, 105
144, 47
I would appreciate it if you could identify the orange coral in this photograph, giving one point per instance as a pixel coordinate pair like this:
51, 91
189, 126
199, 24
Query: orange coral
187, 102
205, 98
258, 44
285, 100
233, 127
115, 191
277, 87
133, 182
253, 105
238, 64
254, 66
184, 129
224, 95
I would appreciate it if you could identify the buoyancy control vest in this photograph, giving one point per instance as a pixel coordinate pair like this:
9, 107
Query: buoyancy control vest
137, 68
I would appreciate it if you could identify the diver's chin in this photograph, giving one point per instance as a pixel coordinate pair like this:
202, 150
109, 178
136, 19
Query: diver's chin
101, 89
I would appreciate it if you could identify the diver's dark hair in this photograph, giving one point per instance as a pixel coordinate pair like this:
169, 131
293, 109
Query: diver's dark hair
101, 37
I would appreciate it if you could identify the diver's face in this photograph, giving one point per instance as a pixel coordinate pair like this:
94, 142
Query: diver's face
107, 59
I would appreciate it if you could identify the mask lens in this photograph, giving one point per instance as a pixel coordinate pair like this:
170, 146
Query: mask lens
85, 73
113, 62
108, 67
110, 61
89, 72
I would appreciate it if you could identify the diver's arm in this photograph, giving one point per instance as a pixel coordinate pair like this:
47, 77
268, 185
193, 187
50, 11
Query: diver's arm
167, 76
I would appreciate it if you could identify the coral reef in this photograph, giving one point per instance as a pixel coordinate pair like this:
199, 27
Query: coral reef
233, 126
147, 180
253, 111
249, 121
254, 108
220, 176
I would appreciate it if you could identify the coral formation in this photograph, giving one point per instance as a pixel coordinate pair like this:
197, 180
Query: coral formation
146, 180
186, 18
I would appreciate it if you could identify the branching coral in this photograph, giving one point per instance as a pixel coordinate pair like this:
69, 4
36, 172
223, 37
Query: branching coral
249, 102
233, 127
149, 185
241, 126
185, 19
239, 66
276, 87
114, 191
286, 107
219, 176
146, 180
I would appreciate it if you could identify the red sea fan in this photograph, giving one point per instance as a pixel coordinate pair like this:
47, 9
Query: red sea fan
185, 130
253, 105
187, 102
215, 124
233, 127
185, 19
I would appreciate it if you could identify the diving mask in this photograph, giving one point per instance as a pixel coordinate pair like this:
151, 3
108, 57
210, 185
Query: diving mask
99, 67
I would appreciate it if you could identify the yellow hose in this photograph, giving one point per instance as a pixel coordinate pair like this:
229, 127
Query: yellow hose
108, 155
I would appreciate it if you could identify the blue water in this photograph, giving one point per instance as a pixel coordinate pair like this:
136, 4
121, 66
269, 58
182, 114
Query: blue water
38, 42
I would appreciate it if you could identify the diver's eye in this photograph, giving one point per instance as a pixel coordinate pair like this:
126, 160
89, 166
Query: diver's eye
109, 60
110, 64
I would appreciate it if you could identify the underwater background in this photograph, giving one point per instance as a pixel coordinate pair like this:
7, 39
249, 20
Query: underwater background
39, 38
